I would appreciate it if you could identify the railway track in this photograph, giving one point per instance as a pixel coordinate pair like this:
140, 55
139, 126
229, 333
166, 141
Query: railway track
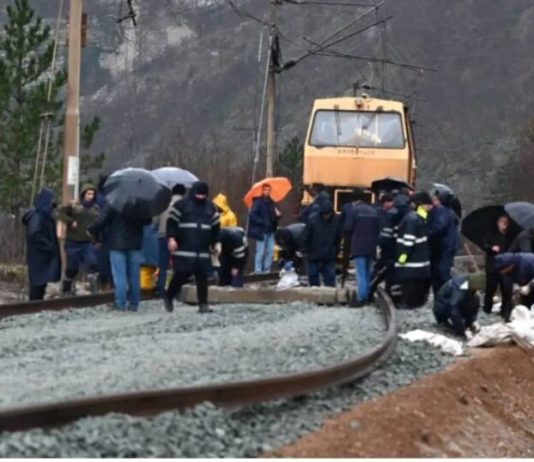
152, 402
83, 301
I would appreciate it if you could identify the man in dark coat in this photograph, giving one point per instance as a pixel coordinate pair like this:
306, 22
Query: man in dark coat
42, 253
387, 242
263, 222
319, 196
412, 266
79, 247
457, 303
105, 277
290, 240
361, 230
233, 258
497, 241
443, 239
193, 235
524, 242
124, 239
322, 237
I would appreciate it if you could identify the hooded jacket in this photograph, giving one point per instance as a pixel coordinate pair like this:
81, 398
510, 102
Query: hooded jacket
195, 226
456, 304
523, 271
443, 234
83, 214
290, 240
43, 256
314, 207
322, 236
228, 217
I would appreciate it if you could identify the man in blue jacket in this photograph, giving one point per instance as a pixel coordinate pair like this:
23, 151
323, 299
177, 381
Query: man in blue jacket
263, 222
361, 230
457, 303
443, 238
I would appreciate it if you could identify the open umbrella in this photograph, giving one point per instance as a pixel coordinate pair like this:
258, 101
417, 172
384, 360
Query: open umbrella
136, 194
171, 176
280, 188
522, 213
483, 221
388, 183
454, 202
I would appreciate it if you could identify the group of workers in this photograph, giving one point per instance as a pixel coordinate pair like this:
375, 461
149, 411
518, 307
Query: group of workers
406, 239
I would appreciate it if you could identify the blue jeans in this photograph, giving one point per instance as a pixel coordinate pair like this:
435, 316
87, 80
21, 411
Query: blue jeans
79, 253
163, 265
363, 267
126, 269
326, 269
263, 262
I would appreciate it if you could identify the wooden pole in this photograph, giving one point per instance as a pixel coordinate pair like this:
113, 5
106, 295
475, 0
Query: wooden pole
271, 99
72, 118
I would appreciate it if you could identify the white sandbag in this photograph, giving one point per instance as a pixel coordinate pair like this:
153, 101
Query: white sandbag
519, 331
288, 279
446, 344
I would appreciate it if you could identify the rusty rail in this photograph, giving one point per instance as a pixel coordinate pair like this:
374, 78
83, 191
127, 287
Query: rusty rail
233, 394
84, 301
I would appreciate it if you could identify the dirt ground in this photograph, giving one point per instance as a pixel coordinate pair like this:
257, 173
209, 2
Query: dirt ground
480, 407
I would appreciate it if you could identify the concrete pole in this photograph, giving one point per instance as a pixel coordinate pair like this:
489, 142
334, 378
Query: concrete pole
271, 100
71, 154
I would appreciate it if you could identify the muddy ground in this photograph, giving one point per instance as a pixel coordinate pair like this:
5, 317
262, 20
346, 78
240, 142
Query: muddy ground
480, 407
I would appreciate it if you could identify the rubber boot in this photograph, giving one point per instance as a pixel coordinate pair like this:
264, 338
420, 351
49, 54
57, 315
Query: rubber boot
67, 287
168, 303
204, 309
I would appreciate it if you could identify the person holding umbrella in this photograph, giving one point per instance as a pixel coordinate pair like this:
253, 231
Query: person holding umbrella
263, 219
193, 236
133, 197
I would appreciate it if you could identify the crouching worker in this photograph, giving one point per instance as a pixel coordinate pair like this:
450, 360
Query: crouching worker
233, 258
290, 240
457, 303
516, 268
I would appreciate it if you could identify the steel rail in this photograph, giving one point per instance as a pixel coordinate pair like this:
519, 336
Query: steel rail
84, 301
152, 402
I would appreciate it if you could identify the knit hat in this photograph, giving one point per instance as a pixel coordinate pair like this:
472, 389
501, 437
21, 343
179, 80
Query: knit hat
201, 188
421, 198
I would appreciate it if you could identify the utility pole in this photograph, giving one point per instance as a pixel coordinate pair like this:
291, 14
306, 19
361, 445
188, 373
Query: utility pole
271, 93
71, 154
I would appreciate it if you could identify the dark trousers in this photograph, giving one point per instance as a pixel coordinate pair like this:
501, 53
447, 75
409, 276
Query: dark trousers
179, 278
225, 274
326, 269
415, 292
382, 271
37, 292
78, 253
502, 281
440, 268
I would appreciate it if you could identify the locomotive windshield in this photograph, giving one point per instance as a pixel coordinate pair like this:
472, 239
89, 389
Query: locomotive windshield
357, 128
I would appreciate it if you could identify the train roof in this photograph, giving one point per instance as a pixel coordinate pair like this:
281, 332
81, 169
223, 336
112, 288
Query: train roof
363, 102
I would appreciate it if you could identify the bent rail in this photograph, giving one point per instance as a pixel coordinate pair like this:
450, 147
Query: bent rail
233, 394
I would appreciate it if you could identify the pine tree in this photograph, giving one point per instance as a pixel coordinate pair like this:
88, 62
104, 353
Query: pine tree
26, 50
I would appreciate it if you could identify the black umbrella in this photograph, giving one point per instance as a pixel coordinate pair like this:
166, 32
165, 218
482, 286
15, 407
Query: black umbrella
136, 194
388, 183
454, 203
480, 223
522, 213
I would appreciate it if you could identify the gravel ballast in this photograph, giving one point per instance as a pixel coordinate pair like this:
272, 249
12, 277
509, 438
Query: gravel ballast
209, 432
67, 355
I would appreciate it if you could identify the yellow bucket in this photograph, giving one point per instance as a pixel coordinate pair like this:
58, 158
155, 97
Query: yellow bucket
148, 277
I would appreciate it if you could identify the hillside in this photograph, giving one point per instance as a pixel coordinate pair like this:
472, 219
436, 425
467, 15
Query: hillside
189, 71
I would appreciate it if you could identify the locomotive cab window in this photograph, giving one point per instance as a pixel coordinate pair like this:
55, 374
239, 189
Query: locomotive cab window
363, 129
